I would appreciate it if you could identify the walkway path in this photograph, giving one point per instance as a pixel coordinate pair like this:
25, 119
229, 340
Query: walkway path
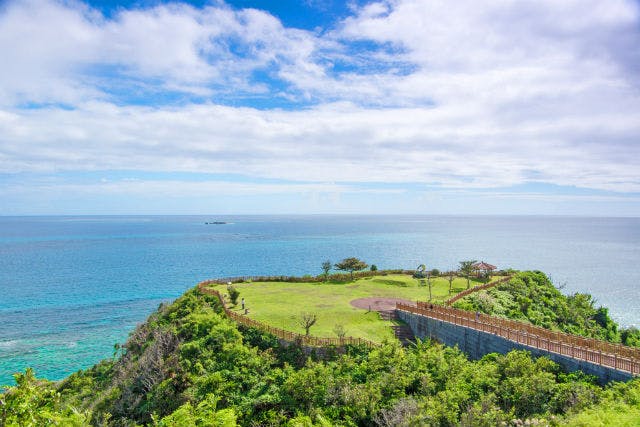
597, 352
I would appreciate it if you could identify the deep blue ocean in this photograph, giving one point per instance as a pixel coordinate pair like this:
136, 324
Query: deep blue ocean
72, 287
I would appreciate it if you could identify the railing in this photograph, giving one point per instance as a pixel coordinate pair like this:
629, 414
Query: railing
281, 333
466, 292
599, 352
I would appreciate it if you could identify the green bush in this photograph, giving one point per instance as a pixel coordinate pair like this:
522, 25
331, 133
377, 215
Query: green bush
190, 365
530, 296
234, 293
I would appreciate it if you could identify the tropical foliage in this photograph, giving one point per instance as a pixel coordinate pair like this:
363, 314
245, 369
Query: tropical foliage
188, 365
530, 296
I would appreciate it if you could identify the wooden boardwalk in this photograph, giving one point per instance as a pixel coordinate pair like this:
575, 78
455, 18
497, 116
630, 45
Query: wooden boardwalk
602, 353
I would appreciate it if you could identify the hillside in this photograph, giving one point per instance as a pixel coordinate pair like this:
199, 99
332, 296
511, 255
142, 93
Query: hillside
531, 297
189, 365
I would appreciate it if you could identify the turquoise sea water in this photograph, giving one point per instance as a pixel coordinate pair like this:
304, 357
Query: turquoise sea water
71, 287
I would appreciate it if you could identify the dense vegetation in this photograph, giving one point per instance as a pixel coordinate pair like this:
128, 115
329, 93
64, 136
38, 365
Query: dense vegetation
530, 296
190, 366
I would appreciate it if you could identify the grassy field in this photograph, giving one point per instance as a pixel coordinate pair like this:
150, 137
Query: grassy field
280, 304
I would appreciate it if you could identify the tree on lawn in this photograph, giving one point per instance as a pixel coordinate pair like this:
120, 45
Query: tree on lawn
233, 294
326, 268
429, 283
340, 331
307, 320
450, 277
466, 268
351, 265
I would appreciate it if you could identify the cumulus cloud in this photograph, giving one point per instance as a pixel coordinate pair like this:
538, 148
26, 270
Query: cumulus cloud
456, 95
68, 52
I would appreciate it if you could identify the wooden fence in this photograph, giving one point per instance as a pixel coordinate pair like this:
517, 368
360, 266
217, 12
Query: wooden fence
281, 333
466, 292
595, 351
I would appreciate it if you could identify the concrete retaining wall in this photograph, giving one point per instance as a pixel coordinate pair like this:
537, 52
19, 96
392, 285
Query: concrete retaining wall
478, 343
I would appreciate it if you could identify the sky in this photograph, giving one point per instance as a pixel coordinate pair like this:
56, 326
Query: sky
320, 106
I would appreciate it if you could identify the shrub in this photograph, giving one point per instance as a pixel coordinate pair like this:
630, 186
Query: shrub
233, 294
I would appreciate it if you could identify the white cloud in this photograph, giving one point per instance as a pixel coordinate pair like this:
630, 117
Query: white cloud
172, 188
461, 95
330, 143
66, 52
41, 44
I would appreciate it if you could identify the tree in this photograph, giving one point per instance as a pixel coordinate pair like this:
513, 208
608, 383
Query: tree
429, 283
35, 402
307, 320
450, 278
402, 413
340, 331
351, 265
326, 268
466, 268
374, 267
630, 336
233, 294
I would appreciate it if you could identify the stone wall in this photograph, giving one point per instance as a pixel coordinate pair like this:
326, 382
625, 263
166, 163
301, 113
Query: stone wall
478, 343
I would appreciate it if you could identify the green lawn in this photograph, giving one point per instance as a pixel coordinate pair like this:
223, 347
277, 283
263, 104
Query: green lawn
280, 304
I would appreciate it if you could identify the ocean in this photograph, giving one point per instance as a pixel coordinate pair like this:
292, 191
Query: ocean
72, 287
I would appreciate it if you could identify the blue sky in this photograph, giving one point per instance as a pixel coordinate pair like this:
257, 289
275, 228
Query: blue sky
399, 106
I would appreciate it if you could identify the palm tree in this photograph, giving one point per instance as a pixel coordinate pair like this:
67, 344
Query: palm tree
466, 268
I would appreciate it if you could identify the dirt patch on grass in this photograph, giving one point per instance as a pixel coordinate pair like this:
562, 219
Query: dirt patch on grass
379, 303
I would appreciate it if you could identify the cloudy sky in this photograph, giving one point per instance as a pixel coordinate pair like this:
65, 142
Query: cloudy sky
320, 106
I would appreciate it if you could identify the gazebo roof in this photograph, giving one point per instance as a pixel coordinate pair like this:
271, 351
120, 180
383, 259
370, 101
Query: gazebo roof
483, 266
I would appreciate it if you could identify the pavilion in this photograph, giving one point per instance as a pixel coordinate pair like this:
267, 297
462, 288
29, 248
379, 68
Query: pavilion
483, 268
